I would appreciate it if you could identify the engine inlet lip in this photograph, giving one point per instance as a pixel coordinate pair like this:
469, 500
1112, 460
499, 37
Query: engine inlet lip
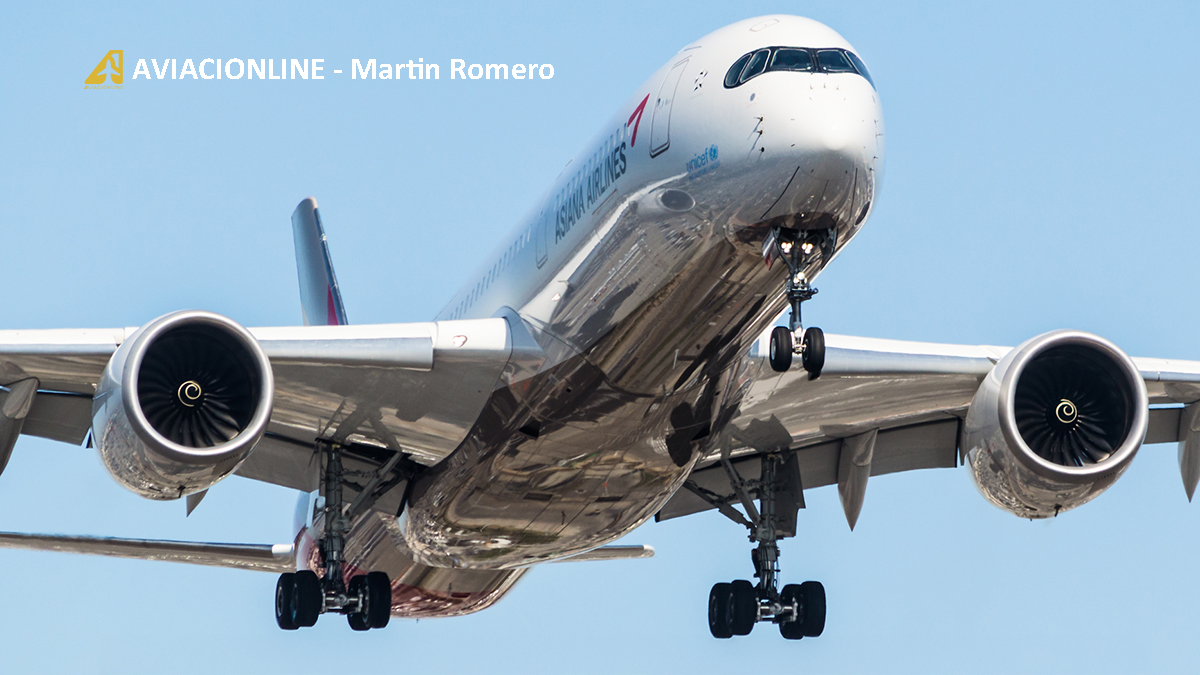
1119, 460
240, 445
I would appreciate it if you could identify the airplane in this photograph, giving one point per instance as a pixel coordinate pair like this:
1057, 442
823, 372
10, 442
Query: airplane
615, 361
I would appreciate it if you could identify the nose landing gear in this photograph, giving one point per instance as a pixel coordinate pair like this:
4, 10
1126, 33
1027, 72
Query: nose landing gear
302, 597
796, 248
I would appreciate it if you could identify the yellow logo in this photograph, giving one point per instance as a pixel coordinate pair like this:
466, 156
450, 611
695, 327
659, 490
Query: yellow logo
111, 65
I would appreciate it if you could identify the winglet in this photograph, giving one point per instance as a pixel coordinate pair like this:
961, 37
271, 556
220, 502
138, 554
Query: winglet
320, 298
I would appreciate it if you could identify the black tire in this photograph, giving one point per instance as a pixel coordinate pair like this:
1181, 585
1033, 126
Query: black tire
780, 353
718, 611
358, 621
379, 599
813, 620
814, 352
306, 599
792, 630
284, 588
744, 607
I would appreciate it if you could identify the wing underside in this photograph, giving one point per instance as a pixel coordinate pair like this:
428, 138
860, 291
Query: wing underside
904, 401
380, 390
414, 390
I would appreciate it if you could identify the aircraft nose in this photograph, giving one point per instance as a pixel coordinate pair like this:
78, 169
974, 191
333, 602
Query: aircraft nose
828, 131
839, 119
835, 135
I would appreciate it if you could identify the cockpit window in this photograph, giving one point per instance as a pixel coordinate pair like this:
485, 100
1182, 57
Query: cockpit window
756, 66
791, 59
795, 59
731, 78
861, 67
834, 61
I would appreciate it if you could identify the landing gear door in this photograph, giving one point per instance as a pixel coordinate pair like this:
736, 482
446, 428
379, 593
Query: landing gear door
660, 124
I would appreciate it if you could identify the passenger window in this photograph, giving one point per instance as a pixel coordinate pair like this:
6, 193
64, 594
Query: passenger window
731, 78
862, 67
756, 66
834, 61
791, 59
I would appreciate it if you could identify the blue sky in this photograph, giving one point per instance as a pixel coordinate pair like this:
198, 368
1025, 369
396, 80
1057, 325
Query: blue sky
1041, 173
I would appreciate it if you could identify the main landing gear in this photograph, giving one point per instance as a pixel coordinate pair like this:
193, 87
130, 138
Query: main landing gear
796, 248
734, 608
301, 597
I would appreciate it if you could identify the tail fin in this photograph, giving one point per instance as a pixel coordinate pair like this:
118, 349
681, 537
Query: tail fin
320, 298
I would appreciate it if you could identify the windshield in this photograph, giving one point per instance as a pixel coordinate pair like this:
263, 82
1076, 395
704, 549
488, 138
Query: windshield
787, 58
794, 59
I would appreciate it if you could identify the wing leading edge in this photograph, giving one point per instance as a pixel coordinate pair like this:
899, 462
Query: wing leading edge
401, 388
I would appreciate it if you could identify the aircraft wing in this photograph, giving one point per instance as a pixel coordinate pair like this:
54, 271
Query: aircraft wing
380, 390
392, 395
906, 400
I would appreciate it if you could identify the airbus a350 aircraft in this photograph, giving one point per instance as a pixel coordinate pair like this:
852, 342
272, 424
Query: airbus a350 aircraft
614, 362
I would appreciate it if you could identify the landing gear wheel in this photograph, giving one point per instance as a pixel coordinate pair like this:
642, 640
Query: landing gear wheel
306, 599
284, 588
814, 352
358, 589
743, 608
358, 621
791, 597
718, 611
379, 599
734, 608
812, 593
780, 354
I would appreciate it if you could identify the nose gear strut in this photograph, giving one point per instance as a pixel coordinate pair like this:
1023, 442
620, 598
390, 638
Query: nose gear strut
734, 608
796, 248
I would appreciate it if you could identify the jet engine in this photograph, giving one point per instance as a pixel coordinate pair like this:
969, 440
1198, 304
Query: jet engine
1055, 423
181, 404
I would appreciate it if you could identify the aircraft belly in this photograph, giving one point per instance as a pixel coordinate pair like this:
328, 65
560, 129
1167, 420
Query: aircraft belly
376, 543
645, 330
530, 484
587, 450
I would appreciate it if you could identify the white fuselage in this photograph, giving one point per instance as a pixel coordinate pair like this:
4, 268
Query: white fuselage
698, 127
641, 276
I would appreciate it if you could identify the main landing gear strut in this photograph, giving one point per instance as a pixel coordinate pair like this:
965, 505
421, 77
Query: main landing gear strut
301, 597
796, 248
734, 608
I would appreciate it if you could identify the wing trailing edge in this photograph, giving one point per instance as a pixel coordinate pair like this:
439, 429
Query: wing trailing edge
612, 552
259, 557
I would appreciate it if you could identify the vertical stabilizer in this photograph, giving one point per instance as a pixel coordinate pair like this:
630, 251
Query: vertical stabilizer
320, 298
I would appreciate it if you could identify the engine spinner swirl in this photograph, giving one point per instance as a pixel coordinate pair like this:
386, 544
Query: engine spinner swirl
189, 393
1066, 412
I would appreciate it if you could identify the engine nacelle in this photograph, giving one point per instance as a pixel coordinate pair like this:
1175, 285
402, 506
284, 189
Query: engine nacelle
1056, 422
181, 404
